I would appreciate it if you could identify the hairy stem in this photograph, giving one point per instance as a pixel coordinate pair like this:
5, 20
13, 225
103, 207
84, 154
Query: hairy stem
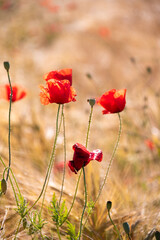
109, 166
64, 169
85, 203
9, 125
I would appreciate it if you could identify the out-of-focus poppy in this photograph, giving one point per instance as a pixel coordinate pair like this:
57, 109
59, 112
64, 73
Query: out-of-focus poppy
113, 101
82, 157
59, 167
59, 89
150, 144
18, 92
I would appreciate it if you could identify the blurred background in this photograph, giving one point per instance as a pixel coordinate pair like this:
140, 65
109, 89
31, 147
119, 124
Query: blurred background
108, 44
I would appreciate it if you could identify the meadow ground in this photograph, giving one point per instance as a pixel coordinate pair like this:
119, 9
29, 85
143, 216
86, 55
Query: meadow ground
108, 44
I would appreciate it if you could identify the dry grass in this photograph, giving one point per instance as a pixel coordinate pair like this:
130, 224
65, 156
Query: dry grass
36, 40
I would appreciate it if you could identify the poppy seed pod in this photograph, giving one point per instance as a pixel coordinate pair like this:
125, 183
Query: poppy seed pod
6, 66
109, 205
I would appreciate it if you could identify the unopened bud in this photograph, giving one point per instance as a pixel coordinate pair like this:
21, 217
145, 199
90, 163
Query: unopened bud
126, 228
109, 205
6, 66
3, 186
91, 101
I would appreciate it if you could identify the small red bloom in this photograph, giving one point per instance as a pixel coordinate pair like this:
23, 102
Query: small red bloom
113, 101
59, 89
150, 144
18, 92
82, 157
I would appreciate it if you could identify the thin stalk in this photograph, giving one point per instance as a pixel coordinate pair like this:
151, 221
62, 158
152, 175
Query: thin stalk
87, 138
64, 169
116, 229
110, 163
85, 204
9, 125
74, 197
59, 236
49, 167
18, 229
10, 181
45, 185
89, 126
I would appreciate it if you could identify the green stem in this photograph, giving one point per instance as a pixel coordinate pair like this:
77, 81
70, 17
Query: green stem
75, 193
64, 169
89, 126
74, 197
45, 185
116, 229
59, 236
9, 126
18, 229
85, 204
10, 181
110, 163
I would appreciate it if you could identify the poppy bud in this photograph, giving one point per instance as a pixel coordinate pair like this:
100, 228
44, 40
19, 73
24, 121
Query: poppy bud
109, 205
157, 235
6, 66
3, 186
91, 101
126, 228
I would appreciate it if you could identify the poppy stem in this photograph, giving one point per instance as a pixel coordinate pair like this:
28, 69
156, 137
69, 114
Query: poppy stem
75, 193
85, 203
116, 229
89, 126
15, 195
45, 185
109, 166
9, 124
64, 169
84, 176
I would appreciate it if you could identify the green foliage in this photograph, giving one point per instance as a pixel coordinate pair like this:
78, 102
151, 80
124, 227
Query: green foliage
90, 206
71, 233
58, 213
36, 223
22, 206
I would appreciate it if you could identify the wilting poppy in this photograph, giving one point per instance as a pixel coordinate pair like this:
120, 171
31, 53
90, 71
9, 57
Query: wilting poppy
82, 157
113, 101
58, 89
18, 92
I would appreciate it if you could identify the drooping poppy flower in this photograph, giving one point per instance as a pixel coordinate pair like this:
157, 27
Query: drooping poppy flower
113, 101
59, 89
18, 92
82, 157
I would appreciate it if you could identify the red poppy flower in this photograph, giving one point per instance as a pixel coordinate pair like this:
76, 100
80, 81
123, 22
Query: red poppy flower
82, 157
18, 92
150, 144
113, 101
64, 74
59, 89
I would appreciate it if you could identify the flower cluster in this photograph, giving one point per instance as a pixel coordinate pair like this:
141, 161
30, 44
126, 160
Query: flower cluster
59, 88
